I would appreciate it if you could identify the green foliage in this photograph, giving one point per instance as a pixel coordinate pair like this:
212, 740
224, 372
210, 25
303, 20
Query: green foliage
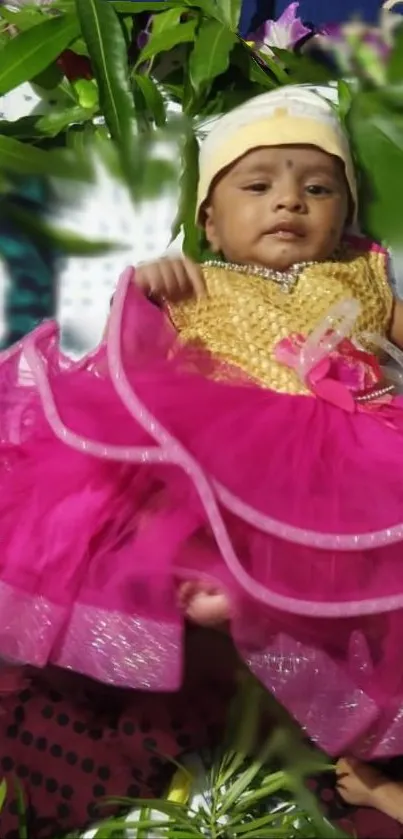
193, 57
251, 790
126, 102
376, 130
32, 51
103, 34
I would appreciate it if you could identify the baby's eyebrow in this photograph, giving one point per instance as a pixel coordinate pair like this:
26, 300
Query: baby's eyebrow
268, 167
254, 169
322, 171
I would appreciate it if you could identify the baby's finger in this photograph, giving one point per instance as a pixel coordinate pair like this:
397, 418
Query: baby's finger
342, 767
184, 287
146, 278
195, 277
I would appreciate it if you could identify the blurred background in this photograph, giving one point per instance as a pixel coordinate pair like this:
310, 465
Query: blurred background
85, 285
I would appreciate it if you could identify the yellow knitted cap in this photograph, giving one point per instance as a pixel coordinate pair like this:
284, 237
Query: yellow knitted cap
283, 117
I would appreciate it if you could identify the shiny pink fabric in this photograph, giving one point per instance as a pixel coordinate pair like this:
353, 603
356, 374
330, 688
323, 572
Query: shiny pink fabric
134, 468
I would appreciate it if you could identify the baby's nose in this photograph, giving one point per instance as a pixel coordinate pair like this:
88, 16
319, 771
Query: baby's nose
290, 201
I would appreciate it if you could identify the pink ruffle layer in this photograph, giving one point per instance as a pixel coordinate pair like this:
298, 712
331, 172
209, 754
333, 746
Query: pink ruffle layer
135, 467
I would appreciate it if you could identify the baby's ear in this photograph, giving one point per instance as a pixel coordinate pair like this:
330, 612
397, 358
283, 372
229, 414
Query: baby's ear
210, 229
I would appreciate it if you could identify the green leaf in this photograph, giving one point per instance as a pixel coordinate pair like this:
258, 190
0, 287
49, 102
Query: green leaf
272, 784
273, 833
394, 71
106, 44
209, 8
211, 53
136, 7
230, 11
301, 69
37, 126
152, 97
185, 219
80, 140
22, 19
128, 26
309, 805
274, 66
174, 91
63, 241
376, 133
232, 796
86, 91
144, 814
28, 160
179, 813
80, 47
166, 20
242, 829
28, 54
3, 793
119, 827
21, 810
345, 98
157, 176
245, 58
20, 129
50, 78
242, 728
167, 40
58, 119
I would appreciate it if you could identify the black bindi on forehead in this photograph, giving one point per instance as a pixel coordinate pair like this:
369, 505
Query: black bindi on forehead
289, 164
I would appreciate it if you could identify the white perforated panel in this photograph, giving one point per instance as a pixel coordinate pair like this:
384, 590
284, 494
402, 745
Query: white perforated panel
104, 212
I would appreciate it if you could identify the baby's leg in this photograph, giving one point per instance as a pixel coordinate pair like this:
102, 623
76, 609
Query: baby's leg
203, 604
362, 785
203, 601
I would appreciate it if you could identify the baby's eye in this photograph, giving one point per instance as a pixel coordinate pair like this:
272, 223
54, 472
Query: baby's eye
257, 186
318, 189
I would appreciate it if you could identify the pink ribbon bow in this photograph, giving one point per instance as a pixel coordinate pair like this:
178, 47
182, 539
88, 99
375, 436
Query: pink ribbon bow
338, 377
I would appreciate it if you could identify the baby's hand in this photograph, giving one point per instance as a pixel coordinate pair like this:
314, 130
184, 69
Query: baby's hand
358, 783
364, 786
170, 279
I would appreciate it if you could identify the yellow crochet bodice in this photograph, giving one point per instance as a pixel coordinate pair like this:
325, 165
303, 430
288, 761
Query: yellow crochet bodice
242, 318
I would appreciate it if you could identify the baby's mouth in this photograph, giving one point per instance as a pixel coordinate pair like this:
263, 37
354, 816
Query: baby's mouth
287, 232
287, 235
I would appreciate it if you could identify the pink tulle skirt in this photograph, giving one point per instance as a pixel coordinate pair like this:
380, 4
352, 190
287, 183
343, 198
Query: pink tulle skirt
140, 466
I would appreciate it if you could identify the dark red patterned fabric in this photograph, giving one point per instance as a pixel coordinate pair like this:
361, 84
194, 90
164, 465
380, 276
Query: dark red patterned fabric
71, 742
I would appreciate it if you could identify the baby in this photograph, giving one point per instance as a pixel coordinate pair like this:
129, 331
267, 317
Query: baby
235, 450
276, 206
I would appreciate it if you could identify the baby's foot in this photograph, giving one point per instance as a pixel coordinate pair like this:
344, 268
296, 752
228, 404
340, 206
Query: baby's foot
203, 604
363, 786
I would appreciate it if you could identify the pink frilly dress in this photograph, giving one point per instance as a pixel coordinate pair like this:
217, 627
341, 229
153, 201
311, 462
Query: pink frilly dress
242, 439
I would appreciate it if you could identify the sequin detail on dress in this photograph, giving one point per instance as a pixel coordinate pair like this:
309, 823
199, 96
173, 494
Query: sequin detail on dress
243, 318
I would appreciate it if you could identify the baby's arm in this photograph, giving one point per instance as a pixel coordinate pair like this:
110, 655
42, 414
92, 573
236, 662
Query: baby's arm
396, 328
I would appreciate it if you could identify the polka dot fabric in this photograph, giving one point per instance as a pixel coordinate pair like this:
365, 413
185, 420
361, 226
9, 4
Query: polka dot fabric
71, 742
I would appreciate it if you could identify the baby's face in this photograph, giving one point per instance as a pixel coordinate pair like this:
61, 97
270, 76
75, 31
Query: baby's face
279, 206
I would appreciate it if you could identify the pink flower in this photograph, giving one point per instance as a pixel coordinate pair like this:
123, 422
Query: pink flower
284, 33
339, 377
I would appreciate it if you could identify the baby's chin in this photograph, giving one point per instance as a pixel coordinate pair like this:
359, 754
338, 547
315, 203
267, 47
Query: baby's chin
283, 258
